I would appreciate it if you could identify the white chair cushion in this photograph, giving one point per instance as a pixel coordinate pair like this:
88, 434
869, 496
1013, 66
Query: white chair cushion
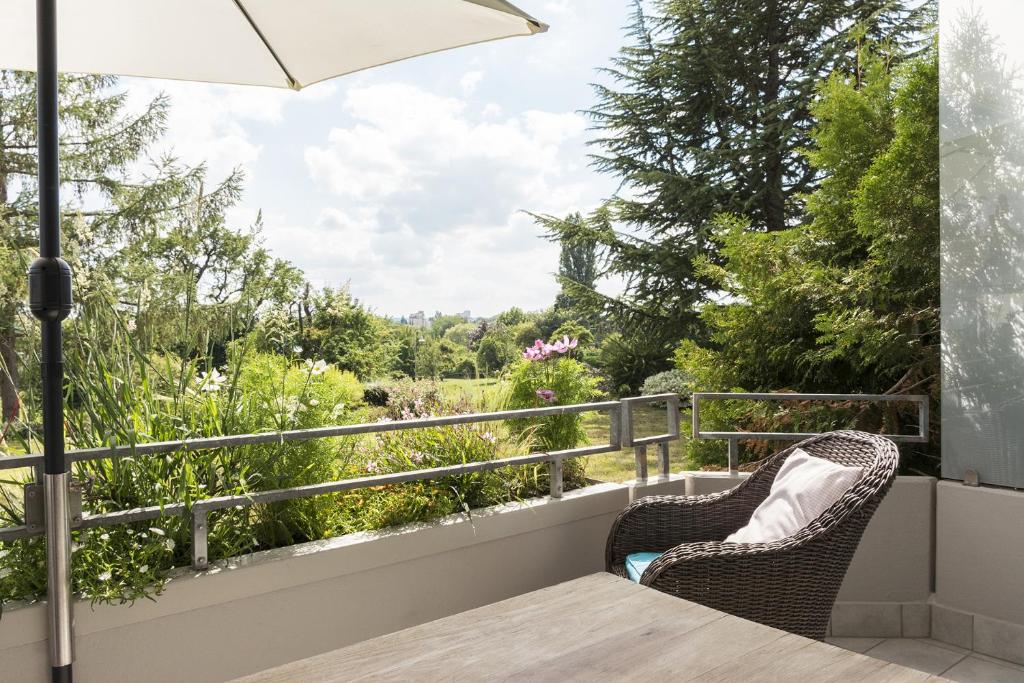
803, 489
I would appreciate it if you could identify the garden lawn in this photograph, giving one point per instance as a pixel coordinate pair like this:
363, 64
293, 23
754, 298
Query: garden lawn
486, 393
621, 466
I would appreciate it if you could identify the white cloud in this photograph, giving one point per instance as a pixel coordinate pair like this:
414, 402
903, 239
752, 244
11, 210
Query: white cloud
470, 80
431, 190
210, 123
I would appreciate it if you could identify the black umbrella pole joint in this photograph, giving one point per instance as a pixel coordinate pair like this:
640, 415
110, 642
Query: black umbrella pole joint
49, 286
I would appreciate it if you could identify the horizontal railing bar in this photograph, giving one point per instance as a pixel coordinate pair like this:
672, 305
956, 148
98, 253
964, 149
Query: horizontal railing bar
652, 398
13, 533
656, 439
207, 443
277, 495
102, 520
794, 436
132, 515
718, 395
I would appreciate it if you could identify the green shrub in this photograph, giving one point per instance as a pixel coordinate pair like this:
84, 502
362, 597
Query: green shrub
668, 382
628, 361
546, 376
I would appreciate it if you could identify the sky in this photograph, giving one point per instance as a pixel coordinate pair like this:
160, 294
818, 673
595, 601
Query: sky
410, 181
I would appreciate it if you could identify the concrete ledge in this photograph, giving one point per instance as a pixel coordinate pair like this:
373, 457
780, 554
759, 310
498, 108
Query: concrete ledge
895, 559
980, 551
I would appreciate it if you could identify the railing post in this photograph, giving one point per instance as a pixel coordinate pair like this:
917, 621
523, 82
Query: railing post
672, 415
663, 463
200, 545
734, 455
615, 426
640, 454
555, 472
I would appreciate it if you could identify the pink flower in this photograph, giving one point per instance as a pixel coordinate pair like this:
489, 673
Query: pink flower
539, 351
546, 395
565, 345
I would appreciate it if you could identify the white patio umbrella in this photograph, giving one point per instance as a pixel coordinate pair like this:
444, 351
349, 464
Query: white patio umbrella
277, 43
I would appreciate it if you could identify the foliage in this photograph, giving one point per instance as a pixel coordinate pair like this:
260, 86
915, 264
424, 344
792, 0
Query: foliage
548, 375
672, 381
122, 395
576, 330
343, 332
628, 361
850, 301
511, 317
460, 334
707, 111
440, 324
495, 351
99, 141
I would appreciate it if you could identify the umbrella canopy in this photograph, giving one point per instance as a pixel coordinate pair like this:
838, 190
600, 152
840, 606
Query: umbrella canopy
278, 43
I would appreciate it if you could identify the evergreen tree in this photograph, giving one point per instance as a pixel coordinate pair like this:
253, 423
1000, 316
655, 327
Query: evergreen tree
100, 141
707, 113
849, 301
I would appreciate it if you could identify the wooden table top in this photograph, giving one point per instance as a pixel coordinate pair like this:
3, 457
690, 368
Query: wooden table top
596, 628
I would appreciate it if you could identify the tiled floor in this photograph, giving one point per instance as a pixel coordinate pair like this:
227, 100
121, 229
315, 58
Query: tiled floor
934, 657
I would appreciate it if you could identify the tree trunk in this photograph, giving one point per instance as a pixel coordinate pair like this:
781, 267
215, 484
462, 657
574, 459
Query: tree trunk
774, 205
8, 368
8, 338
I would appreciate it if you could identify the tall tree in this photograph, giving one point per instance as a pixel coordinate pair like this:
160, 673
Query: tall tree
100, 142
849, 301
707, 112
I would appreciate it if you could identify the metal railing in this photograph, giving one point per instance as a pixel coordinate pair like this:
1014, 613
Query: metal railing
620, 434
735, 437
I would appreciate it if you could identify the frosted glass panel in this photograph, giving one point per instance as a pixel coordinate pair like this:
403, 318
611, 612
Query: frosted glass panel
982, 157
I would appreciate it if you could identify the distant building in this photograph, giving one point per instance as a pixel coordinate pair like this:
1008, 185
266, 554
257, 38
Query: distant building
466, 316
418, 320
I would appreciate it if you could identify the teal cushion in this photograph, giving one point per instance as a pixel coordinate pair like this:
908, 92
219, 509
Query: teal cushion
636, 563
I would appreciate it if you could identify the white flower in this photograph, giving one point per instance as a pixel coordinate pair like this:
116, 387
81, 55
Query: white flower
338, 410
313, 402
211, 381
296, 349
105, 576
169, 543
144, 568
75, 547
317, 368
104, 537
3, 553
158, 532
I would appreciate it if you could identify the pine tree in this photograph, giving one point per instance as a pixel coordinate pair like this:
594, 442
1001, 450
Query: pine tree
99, 142
707, 113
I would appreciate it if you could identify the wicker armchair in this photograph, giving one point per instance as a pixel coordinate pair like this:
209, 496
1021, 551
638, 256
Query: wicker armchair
790, 584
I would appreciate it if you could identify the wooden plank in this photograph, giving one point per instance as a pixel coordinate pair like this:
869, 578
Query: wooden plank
598, 627
590, 602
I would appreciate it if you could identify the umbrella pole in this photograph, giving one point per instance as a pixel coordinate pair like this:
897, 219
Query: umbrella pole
50, 301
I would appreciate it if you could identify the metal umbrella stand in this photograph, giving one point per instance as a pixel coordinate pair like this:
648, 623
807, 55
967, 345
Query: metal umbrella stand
49, 286
252, 42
